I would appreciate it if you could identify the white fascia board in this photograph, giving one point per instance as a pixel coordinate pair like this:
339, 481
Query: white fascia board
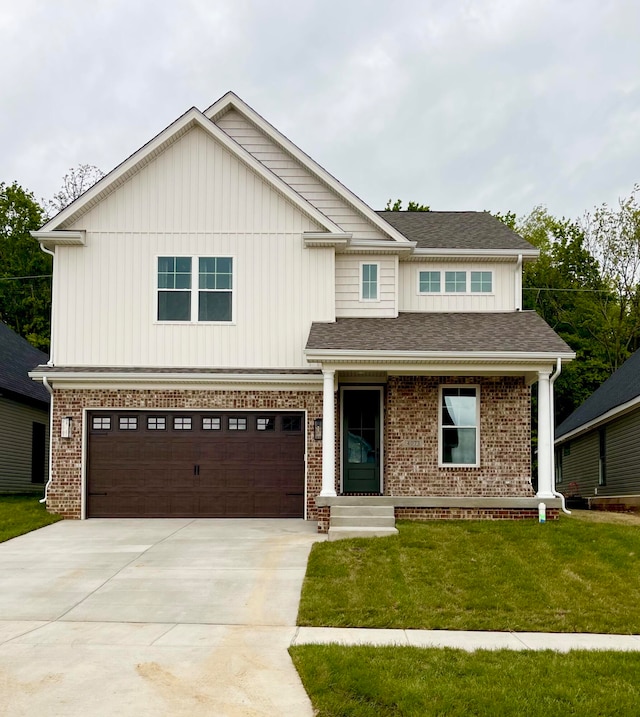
200, 377
616, 412
331, 355
444, 253
378, 246
174, 131
325, 239
231, 100
60, 238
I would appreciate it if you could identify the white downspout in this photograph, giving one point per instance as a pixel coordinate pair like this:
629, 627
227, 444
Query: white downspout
53, 255
552, 380
45, 383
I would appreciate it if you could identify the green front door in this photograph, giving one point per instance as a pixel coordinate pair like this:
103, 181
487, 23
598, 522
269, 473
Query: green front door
361, 440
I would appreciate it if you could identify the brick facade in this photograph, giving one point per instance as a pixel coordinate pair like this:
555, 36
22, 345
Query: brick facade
473, 513
411, 439
65, 491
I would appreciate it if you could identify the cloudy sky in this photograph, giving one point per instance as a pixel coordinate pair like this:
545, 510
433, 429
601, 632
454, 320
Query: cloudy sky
460, 104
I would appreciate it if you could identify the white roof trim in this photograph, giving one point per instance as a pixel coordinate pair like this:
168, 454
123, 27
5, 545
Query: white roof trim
60, 238
170, 134
440, 252
231, 100
446, 356
612, 413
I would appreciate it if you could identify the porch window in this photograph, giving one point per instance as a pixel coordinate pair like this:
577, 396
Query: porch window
459, 422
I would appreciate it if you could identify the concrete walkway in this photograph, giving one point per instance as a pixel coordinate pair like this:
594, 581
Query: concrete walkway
153, 618
467, 640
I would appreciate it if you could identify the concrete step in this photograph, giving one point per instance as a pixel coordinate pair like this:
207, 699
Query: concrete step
361, 510
363, 521
342, 533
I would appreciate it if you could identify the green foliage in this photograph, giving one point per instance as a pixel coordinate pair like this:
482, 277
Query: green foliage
478, 575
25, 271
411, 207
366, 681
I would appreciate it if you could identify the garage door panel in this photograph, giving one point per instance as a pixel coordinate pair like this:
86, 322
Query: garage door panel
207, 471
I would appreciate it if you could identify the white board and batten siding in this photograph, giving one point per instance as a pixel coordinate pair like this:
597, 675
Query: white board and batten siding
194, 199
348, 286
297, 176
502, 298
16, 423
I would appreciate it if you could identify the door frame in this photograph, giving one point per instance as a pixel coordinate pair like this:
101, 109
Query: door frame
361, 387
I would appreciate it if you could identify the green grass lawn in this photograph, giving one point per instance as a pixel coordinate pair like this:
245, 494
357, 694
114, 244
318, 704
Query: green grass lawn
569, 575
21, 514
414, 682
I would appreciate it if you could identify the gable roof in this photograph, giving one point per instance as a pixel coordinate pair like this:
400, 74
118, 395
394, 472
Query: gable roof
516, 332
230, 101
456, 230
620, 389
140, 158
17, 358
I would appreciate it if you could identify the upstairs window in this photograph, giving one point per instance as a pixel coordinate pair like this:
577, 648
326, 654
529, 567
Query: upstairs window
481, 282
369, 282
185, 297
429, 282
455, 282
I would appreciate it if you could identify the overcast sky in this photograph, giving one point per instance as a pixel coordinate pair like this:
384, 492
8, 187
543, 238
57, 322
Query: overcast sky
493, 104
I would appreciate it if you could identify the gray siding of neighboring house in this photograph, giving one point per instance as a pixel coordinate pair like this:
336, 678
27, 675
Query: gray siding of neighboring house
580, 468
16, 426
623, 456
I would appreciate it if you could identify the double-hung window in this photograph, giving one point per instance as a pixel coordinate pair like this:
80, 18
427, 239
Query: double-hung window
195, 289
459, 425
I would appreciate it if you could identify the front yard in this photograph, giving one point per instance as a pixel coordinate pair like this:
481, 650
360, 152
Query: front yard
579, 574
570, 575
21, 514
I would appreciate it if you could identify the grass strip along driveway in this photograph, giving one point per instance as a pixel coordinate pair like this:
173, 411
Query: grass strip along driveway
21, 514
569, 575
391, 681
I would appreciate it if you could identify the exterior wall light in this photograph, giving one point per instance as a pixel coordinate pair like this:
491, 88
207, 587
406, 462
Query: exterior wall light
65, 427
317, 429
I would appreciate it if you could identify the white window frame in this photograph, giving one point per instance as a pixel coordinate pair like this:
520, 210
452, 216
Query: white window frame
429, 271
441, 462
377, 265
195, 290
467, 282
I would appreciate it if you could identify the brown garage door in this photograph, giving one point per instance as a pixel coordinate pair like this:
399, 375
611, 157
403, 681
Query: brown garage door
195, 464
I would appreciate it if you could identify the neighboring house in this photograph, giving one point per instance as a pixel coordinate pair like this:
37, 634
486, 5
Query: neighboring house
598, 445
235, 333
24, 416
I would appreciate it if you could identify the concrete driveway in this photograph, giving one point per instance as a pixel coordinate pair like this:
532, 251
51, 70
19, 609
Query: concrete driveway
153, 617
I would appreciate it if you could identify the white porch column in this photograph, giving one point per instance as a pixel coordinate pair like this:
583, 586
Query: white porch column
328, 436
545, 429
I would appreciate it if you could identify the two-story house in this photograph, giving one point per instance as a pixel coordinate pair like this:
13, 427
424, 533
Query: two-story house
235, 333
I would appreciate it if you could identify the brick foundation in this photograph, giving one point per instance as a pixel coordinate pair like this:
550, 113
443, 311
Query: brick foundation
473, 513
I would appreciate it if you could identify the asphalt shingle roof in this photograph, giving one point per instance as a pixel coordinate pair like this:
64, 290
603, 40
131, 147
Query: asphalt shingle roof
621, 387
517, 331
17, 358
455, 230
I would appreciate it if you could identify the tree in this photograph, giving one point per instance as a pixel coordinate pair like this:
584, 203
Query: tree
411, 207
25, 271
613, 237
74, 183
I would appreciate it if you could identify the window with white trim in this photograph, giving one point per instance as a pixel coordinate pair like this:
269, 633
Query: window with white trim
369, 282
429, 282
459, 425
207, 297
455, 282
481, 282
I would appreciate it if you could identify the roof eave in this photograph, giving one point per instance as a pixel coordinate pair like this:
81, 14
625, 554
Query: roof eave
440, 252
327, 355
616, 412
